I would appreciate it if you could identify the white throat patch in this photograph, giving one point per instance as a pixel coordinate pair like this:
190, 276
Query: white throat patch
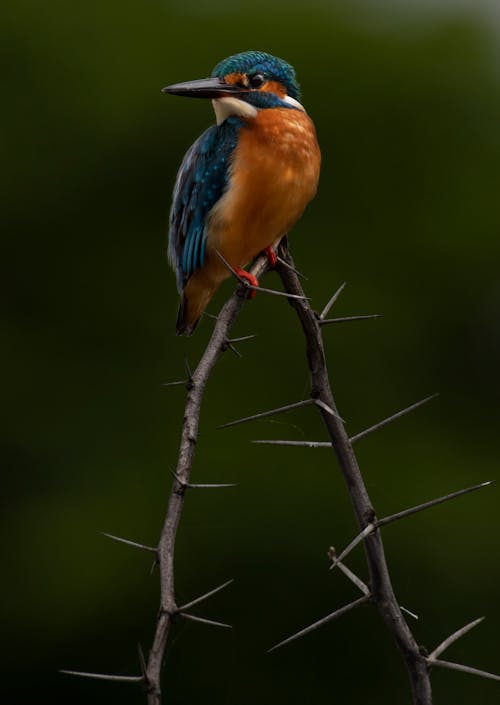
224, 107
291, 101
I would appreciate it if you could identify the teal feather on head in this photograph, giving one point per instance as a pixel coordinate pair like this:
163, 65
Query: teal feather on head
252, 62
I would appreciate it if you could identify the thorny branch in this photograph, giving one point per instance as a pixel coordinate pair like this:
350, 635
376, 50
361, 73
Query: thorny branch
379, 590
196, 387
382, 593
380, 586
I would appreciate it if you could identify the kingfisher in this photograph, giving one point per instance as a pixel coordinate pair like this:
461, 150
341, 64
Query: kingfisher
244, 182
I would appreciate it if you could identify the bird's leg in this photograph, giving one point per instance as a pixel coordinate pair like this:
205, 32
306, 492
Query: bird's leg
243, 274
271, 257
250, 278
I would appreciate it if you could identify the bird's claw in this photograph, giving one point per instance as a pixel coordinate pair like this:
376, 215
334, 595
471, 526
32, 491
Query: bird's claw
271, 257
250, 278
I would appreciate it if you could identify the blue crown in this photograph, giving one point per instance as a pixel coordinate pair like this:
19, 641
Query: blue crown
252, 62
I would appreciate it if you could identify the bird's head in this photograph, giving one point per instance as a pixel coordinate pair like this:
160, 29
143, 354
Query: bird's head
245, 83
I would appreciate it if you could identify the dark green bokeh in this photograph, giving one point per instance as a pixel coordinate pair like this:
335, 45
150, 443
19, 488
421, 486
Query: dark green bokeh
408, 116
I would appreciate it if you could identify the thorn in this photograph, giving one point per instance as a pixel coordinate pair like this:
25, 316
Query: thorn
295, 271
104, 676
229, 346
247, 285
182, 382
142, 661
379, 523
211, 622
303, 444
427, 505
451, 639
358, 436
465, 669
346, 319
242, 339
363, 534
203, 485
328, 409
334, 298
320, 622
279, 410
129, 543
181, 482
210, 486
412, 614
188, 605
395, 416
348, 573
188, 370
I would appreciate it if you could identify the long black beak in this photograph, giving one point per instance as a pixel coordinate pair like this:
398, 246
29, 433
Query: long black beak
204, 88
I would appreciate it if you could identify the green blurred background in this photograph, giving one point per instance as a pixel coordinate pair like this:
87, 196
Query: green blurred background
406, 100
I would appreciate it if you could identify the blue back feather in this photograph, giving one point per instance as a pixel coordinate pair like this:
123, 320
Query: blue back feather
204, 172
201, 181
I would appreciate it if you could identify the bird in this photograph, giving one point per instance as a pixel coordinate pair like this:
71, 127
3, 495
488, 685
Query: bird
244, 182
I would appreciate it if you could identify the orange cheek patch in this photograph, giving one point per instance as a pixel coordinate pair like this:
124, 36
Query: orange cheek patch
274, 87
236, 79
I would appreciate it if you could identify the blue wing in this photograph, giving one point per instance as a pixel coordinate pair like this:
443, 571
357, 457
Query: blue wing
201, 181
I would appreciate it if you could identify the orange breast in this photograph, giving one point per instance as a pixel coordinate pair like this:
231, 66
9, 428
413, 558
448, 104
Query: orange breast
274, 175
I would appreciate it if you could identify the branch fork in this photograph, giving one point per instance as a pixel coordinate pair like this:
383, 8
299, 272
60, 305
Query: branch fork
378, 590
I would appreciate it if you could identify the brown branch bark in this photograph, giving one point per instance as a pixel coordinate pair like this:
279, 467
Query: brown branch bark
380, 583
196, 387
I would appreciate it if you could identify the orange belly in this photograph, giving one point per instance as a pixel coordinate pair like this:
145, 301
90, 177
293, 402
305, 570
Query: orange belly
274, 175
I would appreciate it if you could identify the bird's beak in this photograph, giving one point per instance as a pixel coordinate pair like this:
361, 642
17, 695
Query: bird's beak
204, 88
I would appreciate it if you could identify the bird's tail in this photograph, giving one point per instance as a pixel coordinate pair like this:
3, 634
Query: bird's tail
194, 300
184, 325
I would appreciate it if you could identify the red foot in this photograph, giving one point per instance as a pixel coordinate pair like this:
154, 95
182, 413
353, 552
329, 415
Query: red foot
271, 257
250, 278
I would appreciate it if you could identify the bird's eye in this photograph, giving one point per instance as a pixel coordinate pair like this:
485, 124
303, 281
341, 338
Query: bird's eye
256, 80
